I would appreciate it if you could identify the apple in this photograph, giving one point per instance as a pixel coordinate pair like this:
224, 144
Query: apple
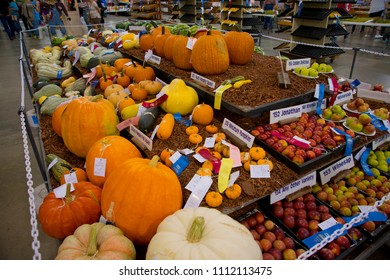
298, 160
279, 244
343, 242
278, 212
289, 254
255, 235
269, 235
326, 254
313, 225
303, 233
325, 216
289, 221
278, 147
269, 225
369, 226
301, 213
301, 223
364, 119
259, 217
245, 224
311, 154
268, 256
266, 245
251, 221
368, 129
289, 242
299, 251
335, 248
260, 229
299, 205
314, 215
354, 233
279, 233
323, 209
277, 254
289, 211
310, 205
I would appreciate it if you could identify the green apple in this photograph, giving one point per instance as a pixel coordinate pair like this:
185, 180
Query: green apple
327, 113
337, 109
314, 66
313, 72
383, 167
329, 68
304, 72
297, 70
372, 162
375, 171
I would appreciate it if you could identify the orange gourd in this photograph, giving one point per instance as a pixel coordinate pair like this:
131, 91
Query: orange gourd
138, 93
195, 138
191, 130
202, 114
233, 192
56, 118
168, 46
130, 70
115, 150
181, 54
210, 55
213, 199
60, 217
160, 40
157, 30
256, 153
113, 88
146, 42
211, 128
240, 47
86, 120
140, 193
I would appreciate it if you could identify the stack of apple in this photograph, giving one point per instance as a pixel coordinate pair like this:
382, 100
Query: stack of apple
378, 159
358, 105
360, 124
381, 113
272, 240
334, 113
303, 216
311, 128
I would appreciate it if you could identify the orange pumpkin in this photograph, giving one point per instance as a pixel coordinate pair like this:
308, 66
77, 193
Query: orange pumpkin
119, 64
138, 93
115, 150
80, 173
256, 153
181, 54
191, 130
104, 82
127, 101
143, 73
204, 32
86, 120
141, 193
202, 114
60, 217
130, 70
123, 79
219, 136
158, 30
234, 191
210, 55
168, 46
146, 42
152, 87
56, 118
240, 47
115, 98
211, 128
195, 138
160, 40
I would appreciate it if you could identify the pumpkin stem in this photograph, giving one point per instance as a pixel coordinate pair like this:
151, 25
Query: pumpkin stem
195, 233
96, 98
153, 162
92, 244
68, 196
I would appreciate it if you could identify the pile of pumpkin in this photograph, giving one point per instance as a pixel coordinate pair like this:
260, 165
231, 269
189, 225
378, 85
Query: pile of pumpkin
211, 51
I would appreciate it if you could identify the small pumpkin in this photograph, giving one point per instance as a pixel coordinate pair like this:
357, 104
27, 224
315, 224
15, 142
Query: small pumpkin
80, 174
203, 171
202, 234
104, 82
115, 150
203, 114
113, 88
115, 98
211, 128
214, 199
146, 42
123, 79
96, 242
60, 217
192, 129
125, 102
219, 146
119, 63
142, 73
152, 87
245, 157
143, 192
219, 136
86, 120
130, 70
138, 92
257, 153
266, 161
208, 164
216, 154
195, 138
233, 192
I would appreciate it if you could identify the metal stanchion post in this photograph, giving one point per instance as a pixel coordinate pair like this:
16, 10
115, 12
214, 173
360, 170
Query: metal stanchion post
48, 32
355, 50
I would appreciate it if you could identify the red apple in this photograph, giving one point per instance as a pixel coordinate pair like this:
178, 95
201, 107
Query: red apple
354, 233
335, 248
326, 254
251, 221
289, 242
309, 197
325, 216
289, 221
287, 204
301, 223
269, 225
313, 225
323, 209
314, 215
299, 205
343, 242
259, 217
311, 154
303, 233
289, 254
268, 256
277, 147
298, 160
255, 235
277, 254
266, 245
279, 233
260, 228
289, 211
301, 213
260, 128
278, 212
270, 236
310, 206
279, 244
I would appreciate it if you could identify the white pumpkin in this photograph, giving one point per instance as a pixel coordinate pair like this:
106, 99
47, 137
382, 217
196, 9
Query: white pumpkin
202, 234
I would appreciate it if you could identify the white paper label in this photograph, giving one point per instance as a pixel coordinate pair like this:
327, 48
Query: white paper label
202, 80
148, 55
308, 180
343, 97
360, 153
330, 84
173, 158
99, 167
380, 141
209, 142
186, 151
161, 81
154, 131
199, 191
71, 178
155, 59
285, 113
317, 91
294, 63
145, 140
332, 170
239, 132
199, 158
327, 223
260, 171
60, 192
312, 106
76, 57
193, 182
233, 177
190, 43
366, 208
301, 140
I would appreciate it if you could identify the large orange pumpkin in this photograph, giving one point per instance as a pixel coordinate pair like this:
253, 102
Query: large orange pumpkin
60, 217
56, 118
240, 46
139, 194
204, 32
168, 46
159, 41
210, 55
181, 54
115, 149
146, 42
142, 73
86, 120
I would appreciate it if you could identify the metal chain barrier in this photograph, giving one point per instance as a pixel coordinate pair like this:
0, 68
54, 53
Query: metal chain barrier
345, 227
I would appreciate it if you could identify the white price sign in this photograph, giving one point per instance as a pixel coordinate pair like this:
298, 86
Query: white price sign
202, 80
332, 170
285, 113
239, 132
295, 63
145, 140
344, 97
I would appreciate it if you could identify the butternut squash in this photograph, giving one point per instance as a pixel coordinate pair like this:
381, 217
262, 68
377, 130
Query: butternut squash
166, 127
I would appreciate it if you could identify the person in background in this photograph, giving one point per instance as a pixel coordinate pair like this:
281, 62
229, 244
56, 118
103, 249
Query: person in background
288, 5
94, 12
377, 8
5, 18
84, 11
32, 16
268, 5
102, 8
53, 17
15, 17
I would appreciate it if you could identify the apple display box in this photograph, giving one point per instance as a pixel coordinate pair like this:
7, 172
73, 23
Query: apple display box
302, 217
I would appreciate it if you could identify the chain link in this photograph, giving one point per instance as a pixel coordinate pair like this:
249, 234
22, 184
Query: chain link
322, 46
33, 218
362, 216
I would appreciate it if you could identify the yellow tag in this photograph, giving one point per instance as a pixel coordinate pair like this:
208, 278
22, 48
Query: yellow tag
224, 174
218, 96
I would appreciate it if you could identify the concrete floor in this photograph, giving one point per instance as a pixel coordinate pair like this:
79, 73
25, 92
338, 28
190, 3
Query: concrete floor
15, 233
